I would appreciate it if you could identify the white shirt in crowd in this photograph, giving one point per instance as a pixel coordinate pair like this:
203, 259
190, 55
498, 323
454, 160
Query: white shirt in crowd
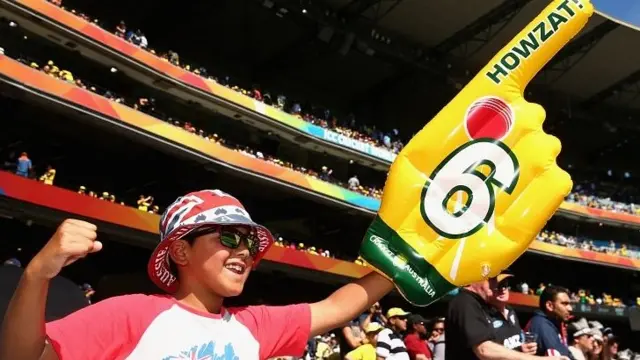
391, 346
354, 182
143, 42
577, 353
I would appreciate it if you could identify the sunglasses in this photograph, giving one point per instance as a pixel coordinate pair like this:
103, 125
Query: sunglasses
501, 285
440, 330
232, 236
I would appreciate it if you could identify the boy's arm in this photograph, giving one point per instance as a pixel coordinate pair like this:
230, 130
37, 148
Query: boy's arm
23, 330
26, 313
348, 302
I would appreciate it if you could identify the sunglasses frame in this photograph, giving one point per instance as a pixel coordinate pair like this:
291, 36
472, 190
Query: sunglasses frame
230, 237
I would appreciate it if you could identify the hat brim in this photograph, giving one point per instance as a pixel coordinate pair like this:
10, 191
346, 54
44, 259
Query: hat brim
158, 267
502, 277
402, 315
374, 331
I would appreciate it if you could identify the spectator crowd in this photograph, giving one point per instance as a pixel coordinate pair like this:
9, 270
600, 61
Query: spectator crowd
479, 324
316, 115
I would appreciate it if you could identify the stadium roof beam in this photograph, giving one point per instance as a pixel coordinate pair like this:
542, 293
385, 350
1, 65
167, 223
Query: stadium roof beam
288, 56
574, 52
378, 90
474, 36
358, 6
399, 52
378, 9
628, 85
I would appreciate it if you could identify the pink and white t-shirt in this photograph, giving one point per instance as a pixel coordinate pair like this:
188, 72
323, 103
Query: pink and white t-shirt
141, 327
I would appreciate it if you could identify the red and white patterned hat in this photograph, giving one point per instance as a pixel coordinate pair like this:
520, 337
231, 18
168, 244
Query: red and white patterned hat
190, 212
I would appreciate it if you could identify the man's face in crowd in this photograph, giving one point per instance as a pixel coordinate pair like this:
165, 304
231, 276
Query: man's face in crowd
500, 291
399, 322
560, 307
420, 328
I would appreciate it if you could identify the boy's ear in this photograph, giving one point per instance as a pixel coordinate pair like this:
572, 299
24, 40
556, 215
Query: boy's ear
178, 252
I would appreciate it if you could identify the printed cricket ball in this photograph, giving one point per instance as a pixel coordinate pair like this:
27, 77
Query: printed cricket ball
489, 117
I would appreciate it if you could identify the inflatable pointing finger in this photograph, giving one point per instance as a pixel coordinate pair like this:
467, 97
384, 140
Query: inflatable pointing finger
468, 194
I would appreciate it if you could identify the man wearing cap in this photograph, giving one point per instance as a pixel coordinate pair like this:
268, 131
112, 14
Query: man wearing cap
581, 339
477, 330
208, 245
507, 325
390, 344
415, 338
367, 351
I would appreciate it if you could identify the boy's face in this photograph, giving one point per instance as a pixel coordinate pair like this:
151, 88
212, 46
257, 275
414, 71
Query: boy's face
219, 268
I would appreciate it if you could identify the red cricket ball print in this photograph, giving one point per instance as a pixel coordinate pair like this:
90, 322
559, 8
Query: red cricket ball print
489, 117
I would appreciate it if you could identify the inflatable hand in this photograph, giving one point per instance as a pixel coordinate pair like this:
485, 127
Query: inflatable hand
469, 193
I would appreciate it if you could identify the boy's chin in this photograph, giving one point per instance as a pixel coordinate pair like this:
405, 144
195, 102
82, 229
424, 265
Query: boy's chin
231, 290
234, 292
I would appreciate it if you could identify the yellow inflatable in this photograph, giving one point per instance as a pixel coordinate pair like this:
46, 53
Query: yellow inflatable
469, 193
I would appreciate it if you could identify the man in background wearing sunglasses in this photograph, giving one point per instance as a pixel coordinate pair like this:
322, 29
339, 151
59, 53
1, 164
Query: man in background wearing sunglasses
478, 330
208, 245
507, 326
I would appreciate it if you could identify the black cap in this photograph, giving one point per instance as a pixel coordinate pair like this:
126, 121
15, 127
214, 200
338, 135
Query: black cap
415, 319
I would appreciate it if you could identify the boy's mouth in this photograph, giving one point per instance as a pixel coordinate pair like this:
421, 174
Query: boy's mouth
236, 267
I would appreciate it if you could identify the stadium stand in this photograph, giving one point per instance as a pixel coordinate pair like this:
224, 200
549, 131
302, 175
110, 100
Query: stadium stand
71, 156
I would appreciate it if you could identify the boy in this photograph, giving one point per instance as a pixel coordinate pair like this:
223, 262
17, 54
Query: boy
366, 351
208, 246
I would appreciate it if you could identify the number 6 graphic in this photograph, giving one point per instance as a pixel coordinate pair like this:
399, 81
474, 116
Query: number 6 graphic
459, 172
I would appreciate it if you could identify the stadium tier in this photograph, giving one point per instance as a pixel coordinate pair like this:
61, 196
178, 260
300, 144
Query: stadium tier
106, 47
141, 61
45, 88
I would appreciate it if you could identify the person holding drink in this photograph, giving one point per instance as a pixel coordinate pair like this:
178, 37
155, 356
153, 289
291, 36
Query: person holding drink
480, 324
499, 301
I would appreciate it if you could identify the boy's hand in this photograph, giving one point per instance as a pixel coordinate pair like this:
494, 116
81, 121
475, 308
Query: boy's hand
74, 239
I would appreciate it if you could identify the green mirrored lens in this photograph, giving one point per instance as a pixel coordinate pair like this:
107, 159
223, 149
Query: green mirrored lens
230, 240
252, 245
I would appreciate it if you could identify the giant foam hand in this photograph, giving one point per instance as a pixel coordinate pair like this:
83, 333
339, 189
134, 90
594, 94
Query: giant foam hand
471, 190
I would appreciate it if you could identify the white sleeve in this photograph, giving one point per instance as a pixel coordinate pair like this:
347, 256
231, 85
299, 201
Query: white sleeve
383, 348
